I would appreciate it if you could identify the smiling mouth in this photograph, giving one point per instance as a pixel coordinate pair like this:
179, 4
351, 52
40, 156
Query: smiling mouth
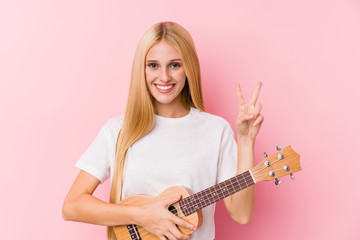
165, 87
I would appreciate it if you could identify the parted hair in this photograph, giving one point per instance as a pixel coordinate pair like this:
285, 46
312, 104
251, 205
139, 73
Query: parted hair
139, 115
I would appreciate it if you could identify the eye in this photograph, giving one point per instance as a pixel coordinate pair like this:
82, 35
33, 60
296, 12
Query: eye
175, 65
152, 65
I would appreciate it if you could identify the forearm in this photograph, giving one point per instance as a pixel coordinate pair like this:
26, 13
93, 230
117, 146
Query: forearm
89, 209
246, 148
241, 203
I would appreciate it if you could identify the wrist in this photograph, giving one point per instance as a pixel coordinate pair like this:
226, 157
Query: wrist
245, 140
134, 214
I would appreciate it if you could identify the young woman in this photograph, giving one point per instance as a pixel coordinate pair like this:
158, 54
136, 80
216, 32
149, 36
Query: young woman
165, 139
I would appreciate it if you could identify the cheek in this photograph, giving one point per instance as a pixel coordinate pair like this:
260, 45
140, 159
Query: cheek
150, 76
181, 77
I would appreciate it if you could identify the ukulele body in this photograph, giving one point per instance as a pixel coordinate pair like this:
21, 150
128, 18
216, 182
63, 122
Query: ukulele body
130, 232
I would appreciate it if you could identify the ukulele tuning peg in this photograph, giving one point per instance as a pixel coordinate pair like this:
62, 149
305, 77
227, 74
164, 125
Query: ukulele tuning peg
292, 176
265, 155
277, 181
278, 147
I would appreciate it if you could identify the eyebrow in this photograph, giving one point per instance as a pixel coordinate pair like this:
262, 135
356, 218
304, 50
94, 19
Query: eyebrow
172, 60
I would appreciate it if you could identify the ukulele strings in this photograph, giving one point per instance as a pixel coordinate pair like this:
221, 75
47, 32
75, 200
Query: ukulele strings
258, 170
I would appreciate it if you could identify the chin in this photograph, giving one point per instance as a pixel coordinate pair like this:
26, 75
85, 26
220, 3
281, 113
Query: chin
164, 101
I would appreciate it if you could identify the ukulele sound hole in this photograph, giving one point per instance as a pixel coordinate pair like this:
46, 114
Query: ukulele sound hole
173, 210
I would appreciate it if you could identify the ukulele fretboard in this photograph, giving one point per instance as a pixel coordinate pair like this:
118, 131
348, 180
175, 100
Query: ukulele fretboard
215, 193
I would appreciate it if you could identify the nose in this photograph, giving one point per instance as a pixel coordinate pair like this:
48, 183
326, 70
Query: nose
164, 75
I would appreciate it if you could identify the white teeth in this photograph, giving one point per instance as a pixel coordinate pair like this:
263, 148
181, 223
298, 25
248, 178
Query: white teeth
164, 87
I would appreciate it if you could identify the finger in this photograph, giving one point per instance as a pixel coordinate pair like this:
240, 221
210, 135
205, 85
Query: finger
172, 200
170, 236
244, 109
162, 237
256, 93
239, 95
186, 237
180, 222
251, 109
259, 120
242, 119
174, 231
257, 109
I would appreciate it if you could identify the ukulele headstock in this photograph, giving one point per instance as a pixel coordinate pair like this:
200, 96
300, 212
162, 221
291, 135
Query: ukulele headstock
285, 162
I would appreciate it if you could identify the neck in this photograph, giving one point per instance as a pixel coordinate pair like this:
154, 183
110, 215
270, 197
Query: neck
171, 111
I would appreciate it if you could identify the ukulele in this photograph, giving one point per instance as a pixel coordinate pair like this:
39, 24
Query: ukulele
285, 161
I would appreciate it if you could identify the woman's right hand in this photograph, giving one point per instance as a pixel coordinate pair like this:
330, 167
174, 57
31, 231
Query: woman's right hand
158, 220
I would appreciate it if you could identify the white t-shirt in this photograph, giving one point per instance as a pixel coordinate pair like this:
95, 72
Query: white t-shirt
196, 151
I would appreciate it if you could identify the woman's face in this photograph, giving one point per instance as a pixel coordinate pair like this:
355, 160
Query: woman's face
165, 74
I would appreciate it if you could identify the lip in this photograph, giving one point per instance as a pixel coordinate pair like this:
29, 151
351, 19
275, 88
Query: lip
164, 85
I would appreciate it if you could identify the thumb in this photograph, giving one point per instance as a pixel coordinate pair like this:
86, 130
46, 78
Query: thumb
172, 200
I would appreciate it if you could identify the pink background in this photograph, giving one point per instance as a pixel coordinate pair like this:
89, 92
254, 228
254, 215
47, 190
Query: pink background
65, 69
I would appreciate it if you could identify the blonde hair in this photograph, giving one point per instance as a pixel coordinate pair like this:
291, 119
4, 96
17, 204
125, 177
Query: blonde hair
139, 114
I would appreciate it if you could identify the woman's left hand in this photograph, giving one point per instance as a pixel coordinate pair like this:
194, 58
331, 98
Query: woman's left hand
249, 119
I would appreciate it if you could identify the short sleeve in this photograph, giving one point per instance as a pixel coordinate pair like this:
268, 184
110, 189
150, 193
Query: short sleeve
96, 159
227, 164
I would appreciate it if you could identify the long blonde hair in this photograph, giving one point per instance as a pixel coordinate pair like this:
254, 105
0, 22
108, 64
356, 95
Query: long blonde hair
139, 114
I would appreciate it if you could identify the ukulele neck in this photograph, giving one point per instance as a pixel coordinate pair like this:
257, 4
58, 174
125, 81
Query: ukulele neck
215, 193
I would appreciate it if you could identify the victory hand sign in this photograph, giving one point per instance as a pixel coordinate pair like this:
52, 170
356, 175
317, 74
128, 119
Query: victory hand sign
249, 119
248, 123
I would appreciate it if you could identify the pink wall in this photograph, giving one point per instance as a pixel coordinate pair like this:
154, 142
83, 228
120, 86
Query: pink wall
65, 67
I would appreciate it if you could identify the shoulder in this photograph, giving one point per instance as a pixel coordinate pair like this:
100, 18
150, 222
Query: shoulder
213, 119
112, 126
115, 121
